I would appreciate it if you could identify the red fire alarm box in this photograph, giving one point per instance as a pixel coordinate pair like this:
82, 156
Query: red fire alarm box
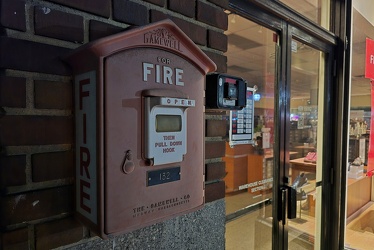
139, 104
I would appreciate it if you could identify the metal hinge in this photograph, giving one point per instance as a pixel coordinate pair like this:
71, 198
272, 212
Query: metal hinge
346, 43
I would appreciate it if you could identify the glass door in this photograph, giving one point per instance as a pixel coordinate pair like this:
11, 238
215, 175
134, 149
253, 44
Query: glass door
305, 141
285, 196
291, 134
308, 140
249, 166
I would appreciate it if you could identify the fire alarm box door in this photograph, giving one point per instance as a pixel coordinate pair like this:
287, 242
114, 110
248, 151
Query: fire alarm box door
142, 114
158, 123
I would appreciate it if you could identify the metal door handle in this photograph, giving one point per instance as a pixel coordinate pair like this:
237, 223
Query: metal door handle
291, 204
284, 204
288, 203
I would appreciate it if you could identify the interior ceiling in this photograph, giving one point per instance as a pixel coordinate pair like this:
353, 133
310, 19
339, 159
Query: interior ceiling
251, 55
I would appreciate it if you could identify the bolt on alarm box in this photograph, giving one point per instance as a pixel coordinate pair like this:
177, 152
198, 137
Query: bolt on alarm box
225, 92
139, 104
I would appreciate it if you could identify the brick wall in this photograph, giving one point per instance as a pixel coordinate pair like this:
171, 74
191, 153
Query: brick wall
36, 120
214, 151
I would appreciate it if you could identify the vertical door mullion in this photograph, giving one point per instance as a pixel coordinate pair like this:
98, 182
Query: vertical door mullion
280, 236
286, 113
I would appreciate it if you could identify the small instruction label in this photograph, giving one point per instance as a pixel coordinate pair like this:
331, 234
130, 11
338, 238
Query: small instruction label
168, 101
257, 185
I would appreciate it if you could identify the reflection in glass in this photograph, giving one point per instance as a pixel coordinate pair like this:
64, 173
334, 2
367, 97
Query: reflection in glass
316, 10
305, 140
249, 168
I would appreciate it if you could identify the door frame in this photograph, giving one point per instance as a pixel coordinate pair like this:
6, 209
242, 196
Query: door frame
287, 23
294, 33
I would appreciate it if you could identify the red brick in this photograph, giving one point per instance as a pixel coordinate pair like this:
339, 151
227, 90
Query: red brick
184, 7
195, 32
12, 14
217, 40
31, 56
12, 92
100, 29
211, 15
35, 130
157, 2
215, 171
99, 7
17, 239
216, 128
223, 3
22, 208
53, 95
214, 149
214, 191
52, 166
12, 170
219, 60
58, 233
130, 12
58, 24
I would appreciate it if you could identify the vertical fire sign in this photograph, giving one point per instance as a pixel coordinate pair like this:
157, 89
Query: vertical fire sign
85, 114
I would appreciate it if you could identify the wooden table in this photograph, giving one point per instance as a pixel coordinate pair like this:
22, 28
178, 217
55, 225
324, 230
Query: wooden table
299, 165
358, 193
358, 190
305, 148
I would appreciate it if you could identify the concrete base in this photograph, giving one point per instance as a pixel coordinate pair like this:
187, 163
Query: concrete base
203, 229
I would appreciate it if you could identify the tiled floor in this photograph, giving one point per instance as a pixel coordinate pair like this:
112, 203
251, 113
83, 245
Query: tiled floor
247, 232
360, 231
253, 231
